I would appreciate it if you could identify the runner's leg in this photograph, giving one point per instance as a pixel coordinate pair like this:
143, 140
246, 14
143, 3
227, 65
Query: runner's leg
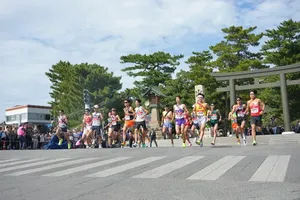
171, 134
215, 128
243, 132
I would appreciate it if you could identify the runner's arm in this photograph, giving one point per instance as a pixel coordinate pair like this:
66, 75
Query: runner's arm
262, 105
207, 106
162, 118
208, 115
185, 108
173, 116
133, 112
247, 108
146, 111
118, 118
229, 115
66, 119
233, 109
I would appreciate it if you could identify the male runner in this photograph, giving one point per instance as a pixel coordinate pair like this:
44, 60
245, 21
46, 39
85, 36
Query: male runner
200, 108
256, 108
179, 109
97, 126
140, 123
214, 117
129, 122
166, 119
62, 128
239, 110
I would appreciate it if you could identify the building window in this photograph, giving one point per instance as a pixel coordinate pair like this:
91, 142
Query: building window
47, 117
38, 116
11, 118
24, 117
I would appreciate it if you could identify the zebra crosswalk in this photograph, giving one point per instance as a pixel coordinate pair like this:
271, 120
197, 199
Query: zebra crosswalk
273, 168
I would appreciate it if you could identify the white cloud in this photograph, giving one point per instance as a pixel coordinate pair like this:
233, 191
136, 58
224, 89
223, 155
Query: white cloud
36, 34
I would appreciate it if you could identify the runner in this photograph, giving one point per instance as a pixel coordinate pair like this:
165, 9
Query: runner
214, 117
97, 126
62, 128
87, 131
187, 125
256, 108
166, 119
233, 118
200, 108
179, 109
140, 123
239, 110
114, 128
129, 122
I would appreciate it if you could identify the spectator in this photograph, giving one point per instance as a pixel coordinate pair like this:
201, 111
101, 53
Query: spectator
21, 135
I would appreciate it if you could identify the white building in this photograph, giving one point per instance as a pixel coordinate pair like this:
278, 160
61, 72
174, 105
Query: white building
28, 113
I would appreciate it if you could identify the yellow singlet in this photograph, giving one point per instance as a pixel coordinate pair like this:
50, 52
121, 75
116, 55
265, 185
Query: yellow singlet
201, 110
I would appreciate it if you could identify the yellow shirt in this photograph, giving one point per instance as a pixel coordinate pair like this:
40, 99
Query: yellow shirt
201, 110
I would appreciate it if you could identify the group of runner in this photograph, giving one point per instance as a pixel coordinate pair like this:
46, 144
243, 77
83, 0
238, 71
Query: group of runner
135, 128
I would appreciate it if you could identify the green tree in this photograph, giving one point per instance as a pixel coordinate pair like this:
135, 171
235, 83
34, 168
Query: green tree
283, 48
152, 69
233, 53
68, 82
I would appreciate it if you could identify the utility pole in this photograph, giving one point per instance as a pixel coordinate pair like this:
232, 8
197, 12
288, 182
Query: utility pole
86, 99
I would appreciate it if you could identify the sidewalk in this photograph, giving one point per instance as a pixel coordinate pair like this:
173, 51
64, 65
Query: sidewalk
261, 139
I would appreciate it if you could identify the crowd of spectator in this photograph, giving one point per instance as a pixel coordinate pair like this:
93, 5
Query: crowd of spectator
14, 137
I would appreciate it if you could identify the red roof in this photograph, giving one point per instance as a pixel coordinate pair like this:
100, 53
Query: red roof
27, 106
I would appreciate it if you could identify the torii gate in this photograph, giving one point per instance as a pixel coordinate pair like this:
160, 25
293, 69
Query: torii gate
281, 71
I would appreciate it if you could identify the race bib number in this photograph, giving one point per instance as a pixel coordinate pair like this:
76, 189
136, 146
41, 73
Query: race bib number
195, 121
200, 114
213, 117
114, 123
179, 116
240, 114
254, 110
127, 117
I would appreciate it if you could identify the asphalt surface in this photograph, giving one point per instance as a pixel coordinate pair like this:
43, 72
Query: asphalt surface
220, 172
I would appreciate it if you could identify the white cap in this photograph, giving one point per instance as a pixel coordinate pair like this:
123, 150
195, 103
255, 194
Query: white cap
96, 106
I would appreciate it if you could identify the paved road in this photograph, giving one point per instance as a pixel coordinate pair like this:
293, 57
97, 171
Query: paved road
221, 172
261, 139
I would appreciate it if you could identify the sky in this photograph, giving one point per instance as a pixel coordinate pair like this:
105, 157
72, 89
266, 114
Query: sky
35, 35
